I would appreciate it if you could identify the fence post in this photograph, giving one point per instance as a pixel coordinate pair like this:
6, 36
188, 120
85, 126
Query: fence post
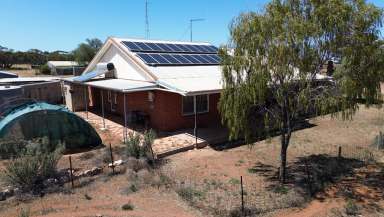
112, 163
242, 195
339, 154
70, 169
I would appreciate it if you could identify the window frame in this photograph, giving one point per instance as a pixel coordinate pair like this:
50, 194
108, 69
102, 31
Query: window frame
192, 113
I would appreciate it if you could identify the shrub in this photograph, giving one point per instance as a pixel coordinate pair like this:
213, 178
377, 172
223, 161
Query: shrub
138, 146
87, 156
128, 206
351, 208
134, 147
281, 189
32, 167
24, 213
137, 164
11, 148
44, 69
189, 193
234, 181
87, 197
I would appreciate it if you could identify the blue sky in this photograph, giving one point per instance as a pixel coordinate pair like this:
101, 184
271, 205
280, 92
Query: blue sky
63, 24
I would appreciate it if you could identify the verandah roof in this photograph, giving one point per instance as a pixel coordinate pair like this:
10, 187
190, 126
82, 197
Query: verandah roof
122, 85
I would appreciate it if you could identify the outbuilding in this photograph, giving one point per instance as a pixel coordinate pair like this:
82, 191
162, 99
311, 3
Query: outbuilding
65, 67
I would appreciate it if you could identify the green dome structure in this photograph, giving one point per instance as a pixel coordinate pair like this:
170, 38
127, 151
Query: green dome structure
42, 120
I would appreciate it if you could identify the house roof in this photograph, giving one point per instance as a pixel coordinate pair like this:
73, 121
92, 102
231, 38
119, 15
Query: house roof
62, 63
186, 79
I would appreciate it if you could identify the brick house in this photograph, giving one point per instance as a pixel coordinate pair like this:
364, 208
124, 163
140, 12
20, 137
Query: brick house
165, 85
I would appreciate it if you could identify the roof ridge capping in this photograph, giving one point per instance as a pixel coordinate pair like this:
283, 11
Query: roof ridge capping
160, 41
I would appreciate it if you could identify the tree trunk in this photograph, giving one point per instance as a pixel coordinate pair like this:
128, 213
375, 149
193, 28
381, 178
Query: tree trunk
283, 160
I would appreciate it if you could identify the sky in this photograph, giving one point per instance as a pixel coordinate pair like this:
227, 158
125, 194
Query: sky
51, 25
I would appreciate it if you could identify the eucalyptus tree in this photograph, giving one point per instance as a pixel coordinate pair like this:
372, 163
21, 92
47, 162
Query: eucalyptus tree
272, 64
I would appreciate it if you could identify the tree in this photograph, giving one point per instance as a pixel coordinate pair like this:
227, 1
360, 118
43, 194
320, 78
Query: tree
85, 52
95, 43
273, 58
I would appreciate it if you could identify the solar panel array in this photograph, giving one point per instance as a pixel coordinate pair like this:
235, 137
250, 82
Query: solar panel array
174, 54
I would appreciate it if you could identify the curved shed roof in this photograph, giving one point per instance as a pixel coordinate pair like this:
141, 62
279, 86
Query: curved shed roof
58, 124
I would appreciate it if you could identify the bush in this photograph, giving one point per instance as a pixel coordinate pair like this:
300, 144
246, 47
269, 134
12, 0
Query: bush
188, 193
351, 208
24, 213
11, 148
128, 206
138, 146
44, 69
32, 167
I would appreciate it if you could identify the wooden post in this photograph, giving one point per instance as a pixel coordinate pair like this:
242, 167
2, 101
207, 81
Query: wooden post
86, 101
125, 120
70, 169
242, 195
339, 154
112, 165
102, 108
195, 110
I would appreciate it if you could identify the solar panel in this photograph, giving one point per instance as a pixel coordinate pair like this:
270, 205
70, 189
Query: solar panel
179, 59
169, 48
168, 54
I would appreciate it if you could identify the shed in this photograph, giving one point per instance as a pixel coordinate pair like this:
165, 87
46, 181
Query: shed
65, 67
38, 120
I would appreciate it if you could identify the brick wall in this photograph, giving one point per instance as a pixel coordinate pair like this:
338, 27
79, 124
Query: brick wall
165, 112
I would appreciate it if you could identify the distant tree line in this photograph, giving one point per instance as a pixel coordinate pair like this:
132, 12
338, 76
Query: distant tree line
82, 54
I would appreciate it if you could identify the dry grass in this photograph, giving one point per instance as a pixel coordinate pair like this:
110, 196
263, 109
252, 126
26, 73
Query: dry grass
214, 178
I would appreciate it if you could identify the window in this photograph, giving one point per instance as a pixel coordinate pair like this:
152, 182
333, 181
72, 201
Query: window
201, 104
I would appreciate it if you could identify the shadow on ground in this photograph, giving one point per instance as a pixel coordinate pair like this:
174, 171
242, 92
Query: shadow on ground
324, 176
240, 142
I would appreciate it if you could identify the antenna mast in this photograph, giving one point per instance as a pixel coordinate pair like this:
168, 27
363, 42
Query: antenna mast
191, 21
146, 20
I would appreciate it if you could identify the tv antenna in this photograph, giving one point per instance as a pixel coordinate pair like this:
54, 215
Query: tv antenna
146, 20
191, 21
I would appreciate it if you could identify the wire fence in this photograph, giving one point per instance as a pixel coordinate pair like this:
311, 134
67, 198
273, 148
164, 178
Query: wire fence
249, 197
259, 195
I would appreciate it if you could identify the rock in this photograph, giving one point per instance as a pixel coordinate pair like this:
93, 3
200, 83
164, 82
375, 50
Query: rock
93, 172
8, 192
64, 179
2, 196
50, 182
116, 163
17, 191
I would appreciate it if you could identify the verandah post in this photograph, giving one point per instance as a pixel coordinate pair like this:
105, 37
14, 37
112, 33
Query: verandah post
195, 110
125, 119
86, 101
102, 108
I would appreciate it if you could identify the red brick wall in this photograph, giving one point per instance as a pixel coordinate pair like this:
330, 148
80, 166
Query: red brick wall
165, 112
